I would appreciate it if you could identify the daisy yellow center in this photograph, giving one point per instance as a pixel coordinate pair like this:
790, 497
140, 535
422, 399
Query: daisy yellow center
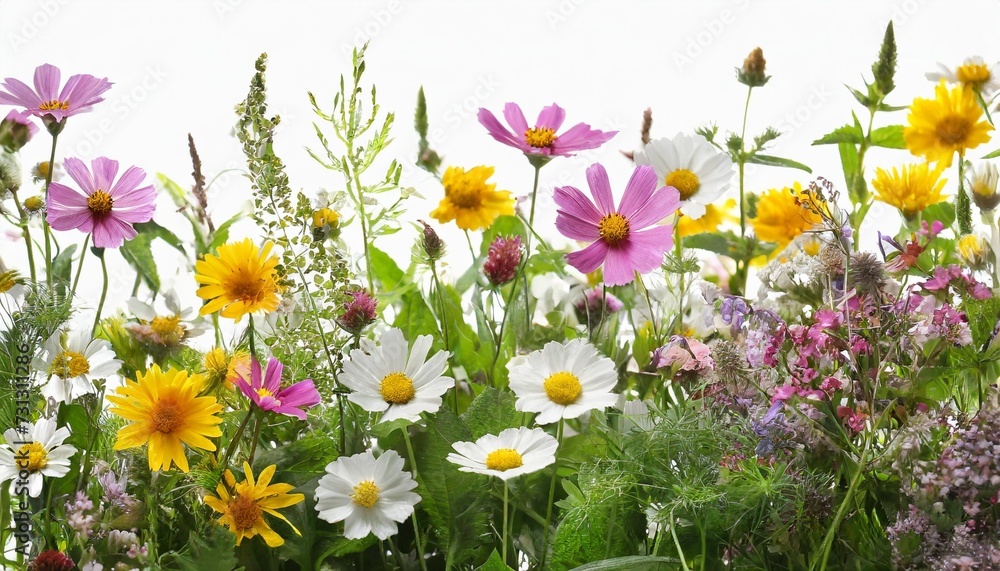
248, 288
42, 169
972, 247
37, 457
245, 512
503, 459
166, 325
54, 105
465, 195
100, 203
540, 137
165, 416
7, 281
613, 228
365, 494
973, 74
33, 203
69, 365
264, 393
563, 388
686, 182
397, 388
953, 130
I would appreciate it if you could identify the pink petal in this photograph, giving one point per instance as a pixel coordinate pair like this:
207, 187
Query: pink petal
580, 137
20, 94
618, 267
246, 389
498, 131
574, 202
110, 232
638, 191
272, 378
79, 173
600, 188
551, 117
69, 218
132, 178
63, 195
84, 91
662, 204
105, 170
255, 373
644, 250
302, 393
47, 78
575, 229
515, 118
589, 258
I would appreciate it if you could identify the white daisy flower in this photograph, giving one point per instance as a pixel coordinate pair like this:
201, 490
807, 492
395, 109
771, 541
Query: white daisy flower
392, 379
974, 72
40, 454
11, 296
72, 363
163, 332
689, 163
563, 381
513, 452
368, 495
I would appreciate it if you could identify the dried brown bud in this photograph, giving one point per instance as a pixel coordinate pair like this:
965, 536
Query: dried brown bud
752, 73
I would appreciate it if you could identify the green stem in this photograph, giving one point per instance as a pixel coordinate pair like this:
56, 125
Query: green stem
862, 211
994, 245
413, 516
531, 215
677, 542
45, 224
256, 436
253, 348
504, 556
552, 496
79, 267
503, 325
23, 218
679, 248
442, 318
649, 303
963, 208
742, 165
234, 443
104, 291
842, 510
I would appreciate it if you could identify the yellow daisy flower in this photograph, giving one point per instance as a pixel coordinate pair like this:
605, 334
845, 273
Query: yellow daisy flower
949, 123
240, 280
470, 201
710, 221
165, 410
223, 367
243, 510
910, 189
780, 218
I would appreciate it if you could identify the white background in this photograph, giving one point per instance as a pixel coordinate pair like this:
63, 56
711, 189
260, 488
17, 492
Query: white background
180, 67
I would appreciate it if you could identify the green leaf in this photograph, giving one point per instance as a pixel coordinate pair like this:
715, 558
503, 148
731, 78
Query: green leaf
502, 226
416, 318
464, 344
139, 255
993, 155
890, 137
857, 188
491, 412
770, 161
456, 502
717, 243
214, 553
632, 563
943, 211
494, 563
847, 134
61, 266
157, 231
222, 233
384, 269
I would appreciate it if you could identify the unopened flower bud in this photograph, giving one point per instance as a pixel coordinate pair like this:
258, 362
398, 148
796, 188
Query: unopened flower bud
503, 259
326, 221
972, 248
431, 243
359, 312
10, 172
34, 203
752, 72
16, 130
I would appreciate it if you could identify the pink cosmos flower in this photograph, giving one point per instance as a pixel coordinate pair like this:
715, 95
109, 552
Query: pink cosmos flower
106, 208
622, 238
79, 94
16, 130
267, 393
542, 139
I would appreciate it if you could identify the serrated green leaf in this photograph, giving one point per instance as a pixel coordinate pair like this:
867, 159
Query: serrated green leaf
384, 269
847, 134
214, 553
770, 161
416, 318
491, 412
494, 563
889, 137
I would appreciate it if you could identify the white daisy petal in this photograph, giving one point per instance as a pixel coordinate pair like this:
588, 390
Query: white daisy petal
534, 448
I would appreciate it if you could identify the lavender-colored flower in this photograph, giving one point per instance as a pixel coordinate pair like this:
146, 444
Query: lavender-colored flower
47, 101
772, 430
359, 312
503, 259
733, 310
596, 304
77, 517
114, 488
266, 392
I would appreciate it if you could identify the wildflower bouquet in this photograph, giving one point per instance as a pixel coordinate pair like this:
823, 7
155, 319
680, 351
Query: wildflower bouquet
696, 381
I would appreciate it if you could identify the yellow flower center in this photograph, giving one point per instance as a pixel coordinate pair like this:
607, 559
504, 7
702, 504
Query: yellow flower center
613, 228
248, 288
217, 364
53, 105
33, 203
465, 195
686, 182
35, 454
69, 365
245, 512
974, 74
42, 169
100, 203
953, 130
972, 249
540, 137
365, 494
264, 393
165, 416
503, 459
397, 388
563, 388
167, 325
